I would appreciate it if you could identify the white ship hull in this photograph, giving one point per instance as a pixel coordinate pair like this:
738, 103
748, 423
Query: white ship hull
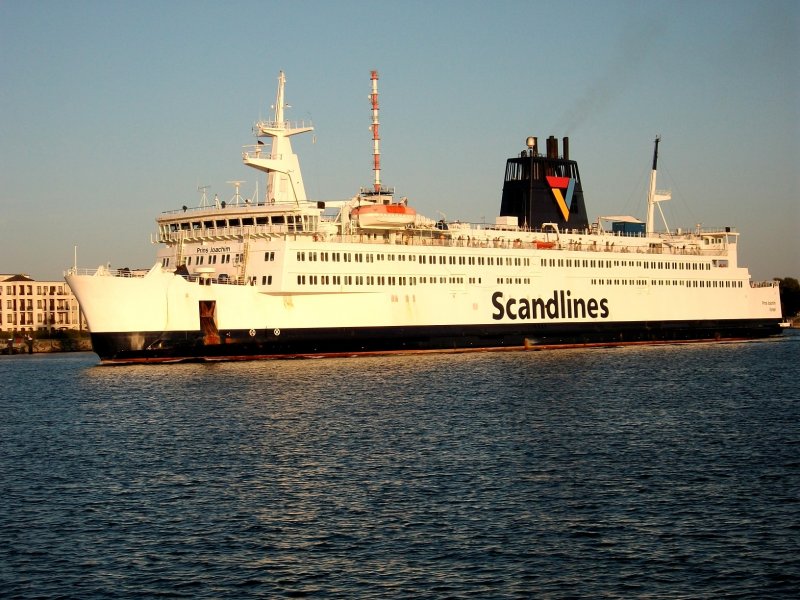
159, 316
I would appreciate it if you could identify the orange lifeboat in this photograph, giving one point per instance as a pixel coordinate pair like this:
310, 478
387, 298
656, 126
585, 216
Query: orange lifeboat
384, 216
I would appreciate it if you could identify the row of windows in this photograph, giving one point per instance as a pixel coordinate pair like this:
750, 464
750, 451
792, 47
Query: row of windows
380, 280
517, 280
27, 290
508, 261
60, 304
26, 318
423, 259
293, 220
674, 282
396, 280
359, 257
608, 264
213, 258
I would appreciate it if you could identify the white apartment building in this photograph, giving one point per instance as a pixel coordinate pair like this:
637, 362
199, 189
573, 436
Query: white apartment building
30, 305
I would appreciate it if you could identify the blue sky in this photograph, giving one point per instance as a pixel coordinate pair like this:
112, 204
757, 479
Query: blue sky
112, 112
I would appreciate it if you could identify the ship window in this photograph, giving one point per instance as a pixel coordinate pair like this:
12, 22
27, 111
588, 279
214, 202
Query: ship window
234, 222
247, 221
262, 221
269, 256
278, 220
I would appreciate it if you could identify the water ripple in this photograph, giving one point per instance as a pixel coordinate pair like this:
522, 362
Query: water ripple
664, 472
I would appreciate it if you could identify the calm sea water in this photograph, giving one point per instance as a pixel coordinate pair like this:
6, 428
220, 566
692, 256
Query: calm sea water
651, 472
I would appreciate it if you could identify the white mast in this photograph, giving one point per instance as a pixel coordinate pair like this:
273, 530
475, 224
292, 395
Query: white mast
655, 196
284, 181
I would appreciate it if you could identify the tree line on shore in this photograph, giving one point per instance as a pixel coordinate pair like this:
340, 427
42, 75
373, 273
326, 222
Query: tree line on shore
790, 296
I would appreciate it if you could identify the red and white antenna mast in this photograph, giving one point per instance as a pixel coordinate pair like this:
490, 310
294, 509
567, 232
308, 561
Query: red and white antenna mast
376, 138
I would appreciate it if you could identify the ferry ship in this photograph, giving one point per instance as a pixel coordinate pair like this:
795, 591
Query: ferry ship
280, 275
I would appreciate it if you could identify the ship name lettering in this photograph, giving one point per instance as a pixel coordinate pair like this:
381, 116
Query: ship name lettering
559, 306
221, 249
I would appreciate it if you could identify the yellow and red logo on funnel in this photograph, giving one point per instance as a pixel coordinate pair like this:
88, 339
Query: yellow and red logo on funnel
558, 185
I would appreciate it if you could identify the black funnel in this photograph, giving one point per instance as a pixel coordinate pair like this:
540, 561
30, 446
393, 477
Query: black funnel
544, 189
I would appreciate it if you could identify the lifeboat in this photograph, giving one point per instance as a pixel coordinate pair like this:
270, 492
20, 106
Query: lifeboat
384, 216
545, 245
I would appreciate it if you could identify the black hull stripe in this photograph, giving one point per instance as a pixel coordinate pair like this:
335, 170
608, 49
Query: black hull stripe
138, 347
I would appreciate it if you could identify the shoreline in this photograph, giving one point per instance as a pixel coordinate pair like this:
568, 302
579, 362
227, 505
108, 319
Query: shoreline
80, 342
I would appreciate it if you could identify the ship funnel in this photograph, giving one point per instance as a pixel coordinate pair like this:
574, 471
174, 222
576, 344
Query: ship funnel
544, 189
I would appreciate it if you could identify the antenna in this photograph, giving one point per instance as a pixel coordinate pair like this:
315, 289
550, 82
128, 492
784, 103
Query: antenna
236, 196
204, 198
376, 138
